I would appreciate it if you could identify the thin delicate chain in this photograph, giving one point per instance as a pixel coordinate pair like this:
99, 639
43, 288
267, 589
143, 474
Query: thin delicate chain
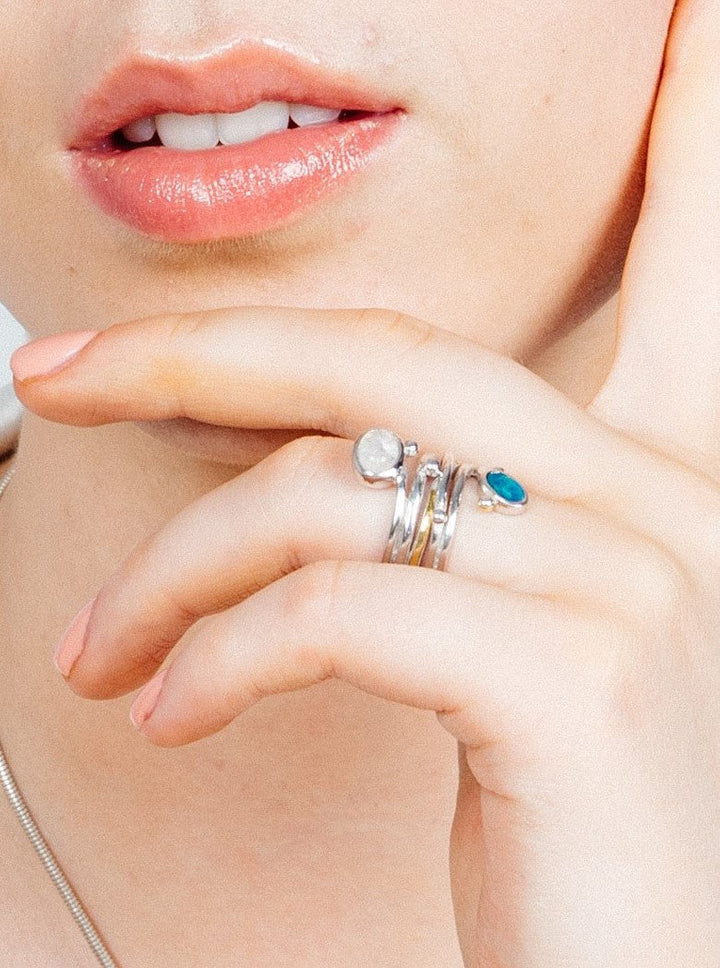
42, 848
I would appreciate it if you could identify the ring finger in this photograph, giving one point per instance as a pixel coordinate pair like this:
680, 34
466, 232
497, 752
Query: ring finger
305, 504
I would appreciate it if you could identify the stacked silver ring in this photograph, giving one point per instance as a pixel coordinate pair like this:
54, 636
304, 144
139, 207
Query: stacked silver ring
426, 507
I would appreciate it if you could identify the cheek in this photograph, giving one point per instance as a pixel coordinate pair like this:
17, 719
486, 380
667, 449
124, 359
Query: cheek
41, 71
546, 117
555, 81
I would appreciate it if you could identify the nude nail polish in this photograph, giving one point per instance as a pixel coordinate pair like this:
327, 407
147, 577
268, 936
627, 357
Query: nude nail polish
144, 705
73, 641
44, 356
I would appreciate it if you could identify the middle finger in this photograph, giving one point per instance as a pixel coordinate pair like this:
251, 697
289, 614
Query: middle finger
305, 504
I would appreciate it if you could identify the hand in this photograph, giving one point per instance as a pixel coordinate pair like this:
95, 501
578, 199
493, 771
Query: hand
572, 651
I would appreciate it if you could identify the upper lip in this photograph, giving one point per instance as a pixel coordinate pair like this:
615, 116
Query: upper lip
146, 84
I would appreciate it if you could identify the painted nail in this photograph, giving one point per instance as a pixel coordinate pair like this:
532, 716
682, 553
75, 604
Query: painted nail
73, 641
47, 355
145, 703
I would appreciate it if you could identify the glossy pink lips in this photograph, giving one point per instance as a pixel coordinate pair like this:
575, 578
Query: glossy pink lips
226, 191
230, 190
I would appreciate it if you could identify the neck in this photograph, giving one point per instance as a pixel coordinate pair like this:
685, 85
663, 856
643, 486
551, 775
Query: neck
305, 786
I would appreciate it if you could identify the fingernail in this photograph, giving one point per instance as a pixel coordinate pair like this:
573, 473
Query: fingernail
45, 356
145, 703
73, 641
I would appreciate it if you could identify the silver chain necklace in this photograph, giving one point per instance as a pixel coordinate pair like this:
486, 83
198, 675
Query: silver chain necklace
42, 848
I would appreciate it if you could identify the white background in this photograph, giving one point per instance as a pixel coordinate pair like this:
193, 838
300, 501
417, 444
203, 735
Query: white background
11, 336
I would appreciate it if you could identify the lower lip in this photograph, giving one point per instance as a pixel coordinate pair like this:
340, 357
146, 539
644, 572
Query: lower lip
232, 190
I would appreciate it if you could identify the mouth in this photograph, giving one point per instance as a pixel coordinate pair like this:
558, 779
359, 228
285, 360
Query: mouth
224, 146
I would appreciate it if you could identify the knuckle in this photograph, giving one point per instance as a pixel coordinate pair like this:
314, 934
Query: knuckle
408, 330
309, 608
150, 655
662, 593
178, 326
616, 679
311, 596
300, 476
639, 667
145, 569
405, 332
298, 463
142, 589
635, 687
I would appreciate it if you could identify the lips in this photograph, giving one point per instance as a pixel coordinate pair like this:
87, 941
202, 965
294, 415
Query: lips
230, 190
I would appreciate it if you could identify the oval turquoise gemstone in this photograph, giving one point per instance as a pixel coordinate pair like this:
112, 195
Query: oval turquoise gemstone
506, 487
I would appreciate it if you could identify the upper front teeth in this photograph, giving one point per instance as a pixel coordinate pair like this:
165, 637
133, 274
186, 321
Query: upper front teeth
264, 118
190, 132
142, 130
187, 131
306, 114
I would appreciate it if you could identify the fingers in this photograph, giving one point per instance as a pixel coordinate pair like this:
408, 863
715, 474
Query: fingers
336, 371
481, 657
345, 371
665, 385
305, 504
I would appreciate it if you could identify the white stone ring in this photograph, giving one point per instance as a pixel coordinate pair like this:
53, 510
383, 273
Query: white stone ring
425, 512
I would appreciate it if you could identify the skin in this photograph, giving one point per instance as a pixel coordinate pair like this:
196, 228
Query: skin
574, 664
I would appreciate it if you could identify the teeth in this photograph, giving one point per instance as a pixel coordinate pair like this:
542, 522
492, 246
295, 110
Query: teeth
188, 132
263, 118
306, 114
193, 132
138, 131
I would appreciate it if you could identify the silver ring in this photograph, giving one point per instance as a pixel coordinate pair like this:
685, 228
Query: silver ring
379, 458
425, 516
463, 472
418, 498
442, 488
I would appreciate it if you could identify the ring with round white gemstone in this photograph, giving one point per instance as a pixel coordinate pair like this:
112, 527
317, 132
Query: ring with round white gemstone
379, 458
425, 515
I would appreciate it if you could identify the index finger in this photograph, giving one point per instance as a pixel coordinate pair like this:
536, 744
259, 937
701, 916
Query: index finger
665, 384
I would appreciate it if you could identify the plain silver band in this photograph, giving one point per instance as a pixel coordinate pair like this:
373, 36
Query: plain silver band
406, 536
398, 520
463, 472
442, 487
432, 476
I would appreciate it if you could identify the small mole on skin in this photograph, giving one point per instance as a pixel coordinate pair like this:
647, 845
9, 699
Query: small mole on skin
370, 35
355, 228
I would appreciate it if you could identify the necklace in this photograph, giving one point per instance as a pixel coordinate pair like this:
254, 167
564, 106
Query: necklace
42, 848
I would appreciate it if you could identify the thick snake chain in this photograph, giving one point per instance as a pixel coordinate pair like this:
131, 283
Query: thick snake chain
42, 848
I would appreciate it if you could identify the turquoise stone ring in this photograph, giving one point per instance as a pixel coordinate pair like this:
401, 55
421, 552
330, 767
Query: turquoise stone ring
500, 492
